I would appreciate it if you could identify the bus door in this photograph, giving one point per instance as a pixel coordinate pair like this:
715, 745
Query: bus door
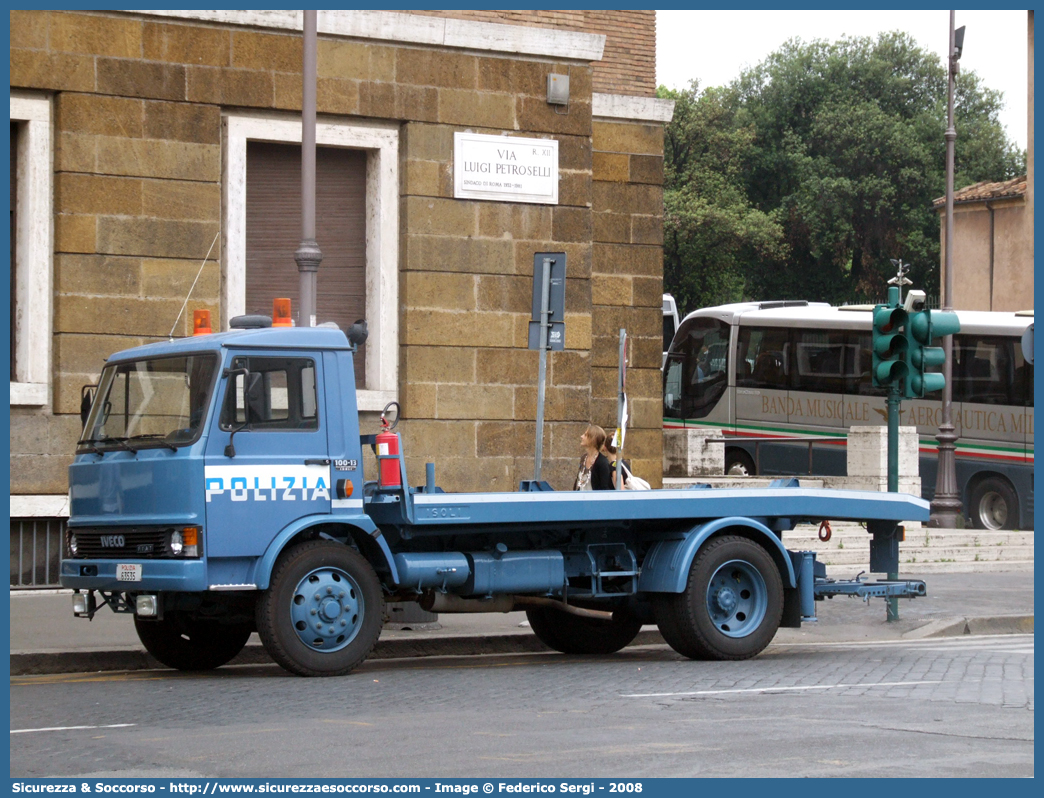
816, 401
762, 375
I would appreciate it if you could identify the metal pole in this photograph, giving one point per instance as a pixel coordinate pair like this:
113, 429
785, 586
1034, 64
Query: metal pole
545, 301
308, 255
621, 399
891, 603
946, 504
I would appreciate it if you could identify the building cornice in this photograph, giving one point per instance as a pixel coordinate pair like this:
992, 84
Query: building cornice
618, 107
391, 26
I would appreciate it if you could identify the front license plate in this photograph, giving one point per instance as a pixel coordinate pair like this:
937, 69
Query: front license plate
127, 572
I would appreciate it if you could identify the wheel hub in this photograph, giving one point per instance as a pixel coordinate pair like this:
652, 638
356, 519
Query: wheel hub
327, 609
737, 598
726, 599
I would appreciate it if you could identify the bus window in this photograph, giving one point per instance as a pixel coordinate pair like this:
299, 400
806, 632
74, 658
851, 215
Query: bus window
858, 368
694, 376
762, 360
985, 370
819, 357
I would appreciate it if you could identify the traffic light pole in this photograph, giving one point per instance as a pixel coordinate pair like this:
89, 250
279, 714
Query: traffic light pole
894, 395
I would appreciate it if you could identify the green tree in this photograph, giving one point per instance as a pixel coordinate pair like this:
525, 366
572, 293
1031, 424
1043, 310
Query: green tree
711, 231
806, 175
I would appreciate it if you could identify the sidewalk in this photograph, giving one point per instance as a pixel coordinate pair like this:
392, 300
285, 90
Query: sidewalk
47, 638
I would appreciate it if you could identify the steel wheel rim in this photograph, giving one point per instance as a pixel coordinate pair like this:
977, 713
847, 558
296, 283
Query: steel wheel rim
737, 598
327, 609
993, 510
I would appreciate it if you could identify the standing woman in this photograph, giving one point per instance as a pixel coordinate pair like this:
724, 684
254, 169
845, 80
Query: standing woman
594, 473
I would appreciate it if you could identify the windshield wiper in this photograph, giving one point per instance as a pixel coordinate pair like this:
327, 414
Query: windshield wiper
155, 436
120, 443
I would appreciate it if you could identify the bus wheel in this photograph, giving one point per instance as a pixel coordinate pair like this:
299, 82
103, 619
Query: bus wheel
191, 644
574, 634
323, 611
994, 505
731, 606
738, 464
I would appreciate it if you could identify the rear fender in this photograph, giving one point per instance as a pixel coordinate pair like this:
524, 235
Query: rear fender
360, 528
666, 566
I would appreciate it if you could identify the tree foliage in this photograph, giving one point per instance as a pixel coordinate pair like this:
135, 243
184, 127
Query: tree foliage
814, 168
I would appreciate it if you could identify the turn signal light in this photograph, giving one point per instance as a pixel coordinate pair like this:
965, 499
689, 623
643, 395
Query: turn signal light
281, 313
201, 322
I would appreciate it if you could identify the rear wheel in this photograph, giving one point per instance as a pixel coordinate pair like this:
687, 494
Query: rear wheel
731, 606
191, 644
575, 634
324, 610
994, 505
738, 464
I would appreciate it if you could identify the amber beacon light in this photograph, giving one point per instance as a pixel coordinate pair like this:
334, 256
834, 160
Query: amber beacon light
281, 313
201, 322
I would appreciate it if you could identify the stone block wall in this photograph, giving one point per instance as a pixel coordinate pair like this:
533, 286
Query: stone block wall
138, 201
627, 284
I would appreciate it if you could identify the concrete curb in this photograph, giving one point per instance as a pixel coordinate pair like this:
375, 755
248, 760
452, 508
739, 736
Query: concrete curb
989, 625
458, 646
136, 659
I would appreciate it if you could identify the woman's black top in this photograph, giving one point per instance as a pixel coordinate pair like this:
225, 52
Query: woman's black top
601, 474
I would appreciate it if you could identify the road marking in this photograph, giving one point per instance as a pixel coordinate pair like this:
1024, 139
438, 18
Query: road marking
777, 689
72, 728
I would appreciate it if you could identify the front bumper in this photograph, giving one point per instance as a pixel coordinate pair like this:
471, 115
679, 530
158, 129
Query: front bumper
157, 576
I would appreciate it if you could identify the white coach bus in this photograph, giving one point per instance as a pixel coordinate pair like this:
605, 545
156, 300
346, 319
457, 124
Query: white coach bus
794, 369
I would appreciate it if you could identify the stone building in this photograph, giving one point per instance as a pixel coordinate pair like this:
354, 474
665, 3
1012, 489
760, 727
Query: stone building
152, 148
992, 246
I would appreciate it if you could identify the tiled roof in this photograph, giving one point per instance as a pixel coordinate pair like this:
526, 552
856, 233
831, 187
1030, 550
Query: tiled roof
981, 192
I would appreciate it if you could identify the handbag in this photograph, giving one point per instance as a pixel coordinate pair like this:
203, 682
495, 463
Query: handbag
631, 482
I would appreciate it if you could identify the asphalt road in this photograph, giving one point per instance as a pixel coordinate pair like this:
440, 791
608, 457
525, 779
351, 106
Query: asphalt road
954, 707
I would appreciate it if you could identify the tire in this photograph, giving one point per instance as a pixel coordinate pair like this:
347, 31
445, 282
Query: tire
994, 505
191, 644
329, 584
738, 464
574, 634
731, 606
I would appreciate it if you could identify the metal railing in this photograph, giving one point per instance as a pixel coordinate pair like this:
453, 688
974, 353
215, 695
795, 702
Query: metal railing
810, 440
36, 552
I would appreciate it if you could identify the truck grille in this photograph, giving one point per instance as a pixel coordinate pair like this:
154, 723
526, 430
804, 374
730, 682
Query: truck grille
121, 542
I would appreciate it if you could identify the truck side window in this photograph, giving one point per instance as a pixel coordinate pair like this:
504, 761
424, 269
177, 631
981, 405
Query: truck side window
279, 395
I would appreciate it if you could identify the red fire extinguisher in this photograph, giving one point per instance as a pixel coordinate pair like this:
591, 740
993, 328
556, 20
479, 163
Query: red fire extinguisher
388, 450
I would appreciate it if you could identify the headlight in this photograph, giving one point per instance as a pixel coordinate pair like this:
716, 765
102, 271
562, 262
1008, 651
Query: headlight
74, 546
184, 542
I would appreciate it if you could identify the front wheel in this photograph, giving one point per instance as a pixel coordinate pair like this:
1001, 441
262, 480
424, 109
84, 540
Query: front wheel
575, 634
323, 611
191, 644
994, 505
731, 606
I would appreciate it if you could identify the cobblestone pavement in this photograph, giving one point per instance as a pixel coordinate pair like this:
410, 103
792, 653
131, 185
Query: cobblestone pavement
954, 707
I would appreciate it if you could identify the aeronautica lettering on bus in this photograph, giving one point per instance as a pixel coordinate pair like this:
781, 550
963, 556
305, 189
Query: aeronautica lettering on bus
263, 483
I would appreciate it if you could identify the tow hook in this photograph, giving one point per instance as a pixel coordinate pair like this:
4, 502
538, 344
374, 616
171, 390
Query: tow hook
824, 531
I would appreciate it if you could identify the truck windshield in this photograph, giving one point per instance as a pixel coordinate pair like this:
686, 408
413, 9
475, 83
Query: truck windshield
148, 403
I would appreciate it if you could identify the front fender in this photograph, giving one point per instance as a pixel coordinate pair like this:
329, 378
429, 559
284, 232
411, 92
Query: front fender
362, 522
666, 566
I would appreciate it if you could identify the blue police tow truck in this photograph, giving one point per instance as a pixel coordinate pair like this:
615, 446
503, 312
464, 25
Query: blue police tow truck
219, 489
